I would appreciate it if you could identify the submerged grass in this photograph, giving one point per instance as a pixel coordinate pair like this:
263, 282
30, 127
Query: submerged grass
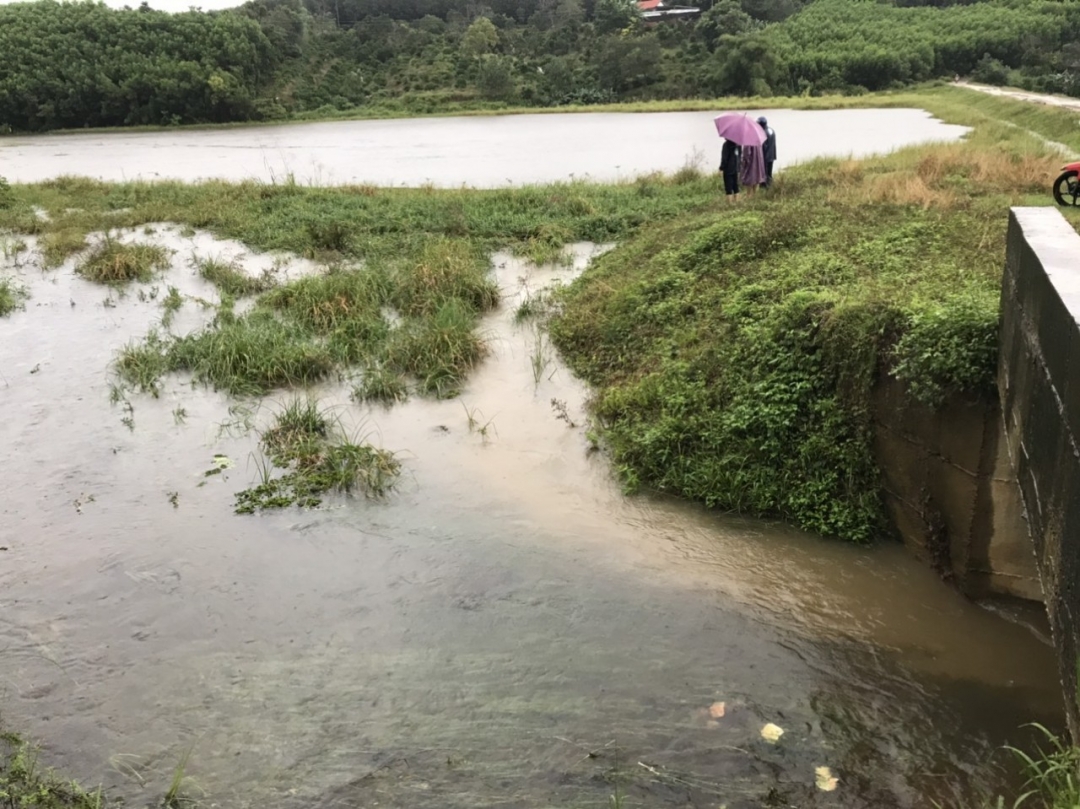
308, 456
230, 278
381, 384
11, 296
58, 245
114, 263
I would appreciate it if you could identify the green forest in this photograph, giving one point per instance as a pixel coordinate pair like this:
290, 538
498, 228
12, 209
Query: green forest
81, 64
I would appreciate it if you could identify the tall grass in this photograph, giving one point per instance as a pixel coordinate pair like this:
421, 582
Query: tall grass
251, 355
1053, 775
439, 351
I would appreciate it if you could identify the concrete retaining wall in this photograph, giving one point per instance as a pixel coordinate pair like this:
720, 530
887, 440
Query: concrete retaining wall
951, 492
1039, 387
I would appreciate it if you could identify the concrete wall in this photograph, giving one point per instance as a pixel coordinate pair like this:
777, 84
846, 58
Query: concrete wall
951, 493
1039, 387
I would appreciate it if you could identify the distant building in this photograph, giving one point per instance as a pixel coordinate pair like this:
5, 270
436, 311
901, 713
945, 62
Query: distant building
658, 11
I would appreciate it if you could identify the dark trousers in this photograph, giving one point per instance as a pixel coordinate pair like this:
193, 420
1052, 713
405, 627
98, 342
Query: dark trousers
768, 174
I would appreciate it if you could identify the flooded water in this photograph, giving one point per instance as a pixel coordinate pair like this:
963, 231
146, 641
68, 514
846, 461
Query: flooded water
507, 630
482, 152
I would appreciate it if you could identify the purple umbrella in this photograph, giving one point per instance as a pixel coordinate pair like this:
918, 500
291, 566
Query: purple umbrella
735, 126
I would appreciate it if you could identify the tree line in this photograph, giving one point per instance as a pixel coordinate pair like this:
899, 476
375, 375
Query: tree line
82, 64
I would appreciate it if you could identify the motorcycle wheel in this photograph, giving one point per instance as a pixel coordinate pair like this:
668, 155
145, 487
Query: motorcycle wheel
1067, 189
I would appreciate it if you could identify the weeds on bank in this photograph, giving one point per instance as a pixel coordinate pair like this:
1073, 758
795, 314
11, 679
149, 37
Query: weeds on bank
307, 456
113, 263
1053, 775
26, 784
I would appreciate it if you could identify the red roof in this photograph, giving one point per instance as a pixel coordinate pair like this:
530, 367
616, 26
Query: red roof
648, 5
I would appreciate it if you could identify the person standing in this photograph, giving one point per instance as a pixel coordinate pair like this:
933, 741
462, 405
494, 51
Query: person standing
753, 168
730, 165
768, 150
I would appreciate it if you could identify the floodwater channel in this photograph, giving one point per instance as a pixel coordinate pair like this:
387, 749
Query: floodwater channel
507, 630
479, 151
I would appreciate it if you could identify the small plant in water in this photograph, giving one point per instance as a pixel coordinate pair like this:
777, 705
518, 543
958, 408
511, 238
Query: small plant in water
230, 278
179, 414
307, 445
540, 357
11, 296
534, 306
173, 799
561, 412
115, 263
171, 303
381, 384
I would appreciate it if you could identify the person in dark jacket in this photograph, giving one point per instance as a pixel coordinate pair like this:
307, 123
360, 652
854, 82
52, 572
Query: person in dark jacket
730, 163
768, 149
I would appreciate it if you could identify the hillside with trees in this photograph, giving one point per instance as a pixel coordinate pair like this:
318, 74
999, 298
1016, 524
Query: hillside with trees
70, 65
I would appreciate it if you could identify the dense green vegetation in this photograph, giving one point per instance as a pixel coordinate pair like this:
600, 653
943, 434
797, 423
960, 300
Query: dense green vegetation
72, 65
734, 356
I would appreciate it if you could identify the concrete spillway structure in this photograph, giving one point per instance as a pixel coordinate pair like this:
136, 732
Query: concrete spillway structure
1039, 388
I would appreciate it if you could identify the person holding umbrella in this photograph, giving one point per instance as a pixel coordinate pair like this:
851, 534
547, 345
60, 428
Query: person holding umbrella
739, 133
753, 168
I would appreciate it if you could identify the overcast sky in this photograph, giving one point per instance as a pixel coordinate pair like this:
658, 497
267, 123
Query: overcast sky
168, 5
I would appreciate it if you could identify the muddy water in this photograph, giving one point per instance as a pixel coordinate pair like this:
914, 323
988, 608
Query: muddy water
507, 630
481, 152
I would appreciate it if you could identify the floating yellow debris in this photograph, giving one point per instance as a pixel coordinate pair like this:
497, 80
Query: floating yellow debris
825, 780
772, 733
717, 709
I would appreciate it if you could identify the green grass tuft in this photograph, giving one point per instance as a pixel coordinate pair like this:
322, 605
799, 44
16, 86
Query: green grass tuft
308, 457
231, 278
58, 245
12, 296
115, 263
440, 350
381, 384
251, 355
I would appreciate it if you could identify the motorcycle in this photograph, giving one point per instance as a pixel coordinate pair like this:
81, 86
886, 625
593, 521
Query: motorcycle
1067, 186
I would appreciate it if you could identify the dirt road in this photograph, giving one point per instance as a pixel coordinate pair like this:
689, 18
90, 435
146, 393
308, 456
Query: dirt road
1024, 95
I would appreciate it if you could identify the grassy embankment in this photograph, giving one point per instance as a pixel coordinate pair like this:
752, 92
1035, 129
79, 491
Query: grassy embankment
733, 355
732, 349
